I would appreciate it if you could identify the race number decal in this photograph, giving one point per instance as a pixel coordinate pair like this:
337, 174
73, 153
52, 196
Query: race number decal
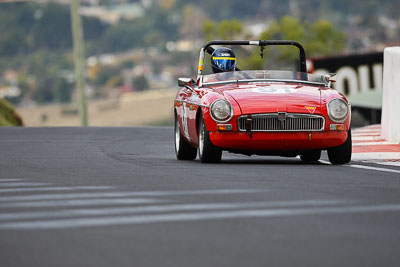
273, 90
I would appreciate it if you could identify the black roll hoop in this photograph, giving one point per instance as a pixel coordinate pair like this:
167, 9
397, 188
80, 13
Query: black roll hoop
262, 43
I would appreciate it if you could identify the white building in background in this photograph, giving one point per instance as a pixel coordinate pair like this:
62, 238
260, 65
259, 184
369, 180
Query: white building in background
112, 14
9, 91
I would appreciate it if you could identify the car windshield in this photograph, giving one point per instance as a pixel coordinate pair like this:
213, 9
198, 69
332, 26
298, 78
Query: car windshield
264, 75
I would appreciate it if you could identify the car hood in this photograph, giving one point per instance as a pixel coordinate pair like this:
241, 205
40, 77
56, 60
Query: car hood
271, 98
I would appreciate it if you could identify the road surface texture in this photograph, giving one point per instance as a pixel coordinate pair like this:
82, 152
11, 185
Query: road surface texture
118, 197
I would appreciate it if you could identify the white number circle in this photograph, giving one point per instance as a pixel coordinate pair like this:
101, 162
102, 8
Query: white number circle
273, 90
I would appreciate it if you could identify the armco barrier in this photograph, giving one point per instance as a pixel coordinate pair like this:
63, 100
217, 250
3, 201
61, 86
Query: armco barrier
391, 95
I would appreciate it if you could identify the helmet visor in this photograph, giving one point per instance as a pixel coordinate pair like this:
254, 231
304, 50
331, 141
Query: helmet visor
225, 63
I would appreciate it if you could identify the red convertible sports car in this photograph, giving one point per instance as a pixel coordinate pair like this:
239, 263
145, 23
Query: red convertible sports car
262, 112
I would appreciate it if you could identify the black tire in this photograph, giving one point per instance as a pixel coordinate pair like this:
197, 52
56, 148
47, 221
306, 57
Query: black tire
208, 153
183, 150
341, 154
311, 156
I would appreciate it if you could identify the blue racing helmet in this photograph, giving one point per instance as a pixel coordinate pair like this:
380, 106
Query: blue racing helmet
223, 59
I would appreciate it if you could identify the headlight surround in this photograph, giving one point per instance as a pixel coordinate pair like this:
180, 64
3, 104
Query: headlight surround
338, 110
221, 110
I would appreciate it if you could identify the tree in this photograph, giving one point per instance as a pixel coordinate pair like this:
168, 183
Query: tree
187, 29
320, 38
224, 30
324, 39
8, 115
53, 29
104, 74
121, 37
63, 91
140, 83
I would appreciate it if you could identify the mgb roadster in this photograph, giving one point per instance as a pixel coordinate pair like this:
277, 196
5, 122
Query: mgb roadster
262, 112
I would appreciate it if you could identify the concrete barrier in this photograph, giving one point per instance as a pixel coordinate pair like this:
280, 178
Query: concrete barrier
391, 95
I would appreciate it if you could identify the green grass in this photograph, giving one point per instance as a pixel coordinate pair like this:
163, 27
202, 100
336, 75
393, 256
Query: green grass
8, 115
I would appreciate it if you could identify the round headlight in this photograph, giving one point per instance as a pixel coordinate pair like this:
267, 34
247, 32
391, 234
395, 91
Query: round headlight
221, 110
338, 110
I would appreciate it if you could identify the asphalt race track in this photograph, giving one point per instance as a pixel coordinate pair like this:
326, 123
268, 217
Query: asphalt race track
118, 197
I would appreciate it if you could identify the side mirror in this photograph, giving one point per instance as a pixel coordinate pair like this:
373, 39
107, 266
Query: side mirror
331, 77
183, 82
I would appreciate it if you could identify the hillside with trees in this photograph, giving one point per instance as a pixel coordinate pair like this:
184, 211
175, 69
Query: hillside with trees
152, 49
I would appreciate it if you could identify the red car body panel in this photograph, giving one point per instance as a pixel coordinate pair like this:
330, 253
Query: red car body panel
260, 98
278, 141
270, 98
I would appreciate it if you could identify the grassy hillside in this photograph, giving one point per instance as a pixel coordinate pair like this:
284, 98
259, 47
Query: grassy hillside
8, 116
151, 107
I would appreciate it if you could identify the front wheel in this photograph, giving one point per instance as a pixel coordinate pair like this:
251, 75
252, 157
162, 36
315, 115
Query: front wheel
183, 150
208, 153
341, 154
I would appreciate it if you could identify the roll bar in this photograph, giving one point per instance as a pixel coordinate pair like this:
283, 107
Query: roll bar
262, 43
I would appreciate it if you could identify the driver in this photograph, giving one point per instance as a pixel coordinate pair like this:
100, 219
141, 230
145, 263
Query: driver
222, 60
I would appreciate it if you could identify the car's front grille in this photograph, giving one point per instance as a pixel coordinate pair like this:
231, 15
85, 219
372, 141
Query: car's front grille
281, 122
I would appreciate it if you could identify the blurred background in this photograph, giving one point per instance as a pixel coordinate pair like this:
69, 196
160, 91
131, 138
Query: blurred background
136, 49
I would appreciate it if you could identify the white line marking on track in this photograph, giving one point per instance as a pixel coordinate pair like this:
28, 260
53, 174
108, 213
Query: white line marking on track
373, 168
375, 131
366, 138
80, 202
198, 216
389, 163
9, 180
363, 167
372, 143
16, 184
367, 134
200, 192
129, 194
165, 208
55, 188
377, 156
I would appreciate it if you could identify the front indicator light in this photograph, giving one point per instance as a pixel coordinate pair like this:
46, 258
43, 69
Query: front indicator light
224, 127
336, 127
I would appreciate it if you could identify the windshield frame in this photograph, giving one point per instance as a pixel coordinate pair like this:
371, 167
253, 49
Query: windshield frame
320, 80
261, 43
264, 81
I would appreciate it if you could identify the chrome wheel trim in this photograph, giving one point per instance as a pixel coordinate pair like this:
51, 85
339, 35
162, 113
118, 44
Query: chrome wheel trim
177, 136
201, 139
